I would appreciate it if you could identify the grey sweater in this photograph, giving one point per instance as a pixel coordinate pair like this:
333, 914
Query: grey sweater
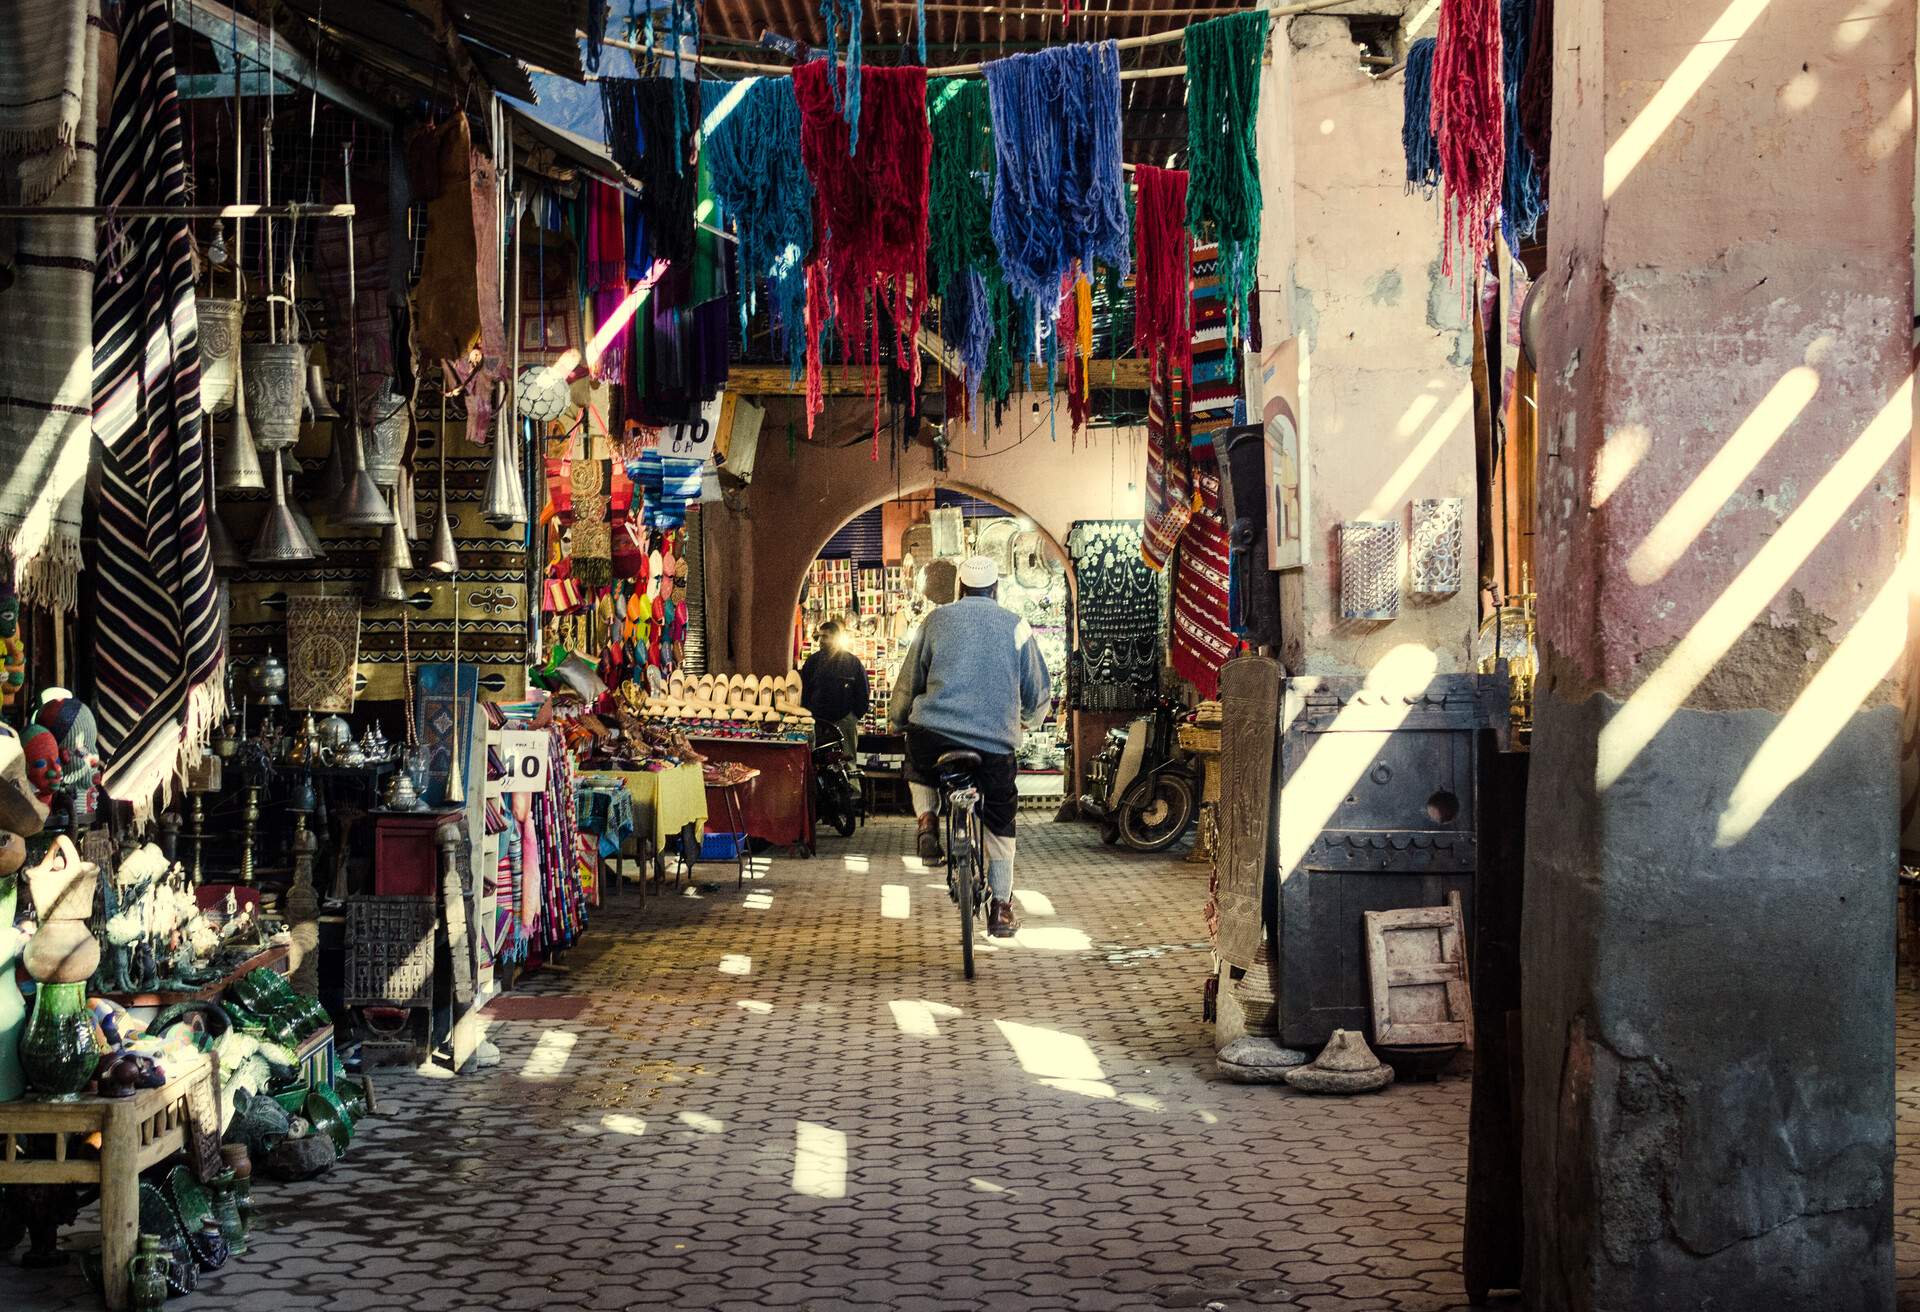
972, 674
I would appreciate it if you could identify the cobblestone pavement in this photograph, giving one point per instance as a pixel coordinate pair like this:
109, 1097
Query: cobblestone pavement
788, 1097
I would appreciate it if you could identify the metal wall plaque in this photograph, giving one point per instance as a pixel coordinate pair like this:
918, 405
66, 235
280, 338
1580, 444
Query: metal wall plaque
390, 951
1369, 570
1437, 530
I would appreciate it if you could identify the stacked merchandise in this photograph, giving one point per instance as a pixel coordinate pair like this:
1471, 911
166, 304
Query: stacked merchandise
541, 897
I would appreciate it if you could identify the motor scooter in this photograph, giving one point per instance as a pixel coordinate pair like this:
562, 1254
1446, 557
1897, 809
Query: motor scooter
1140, 789
839, 798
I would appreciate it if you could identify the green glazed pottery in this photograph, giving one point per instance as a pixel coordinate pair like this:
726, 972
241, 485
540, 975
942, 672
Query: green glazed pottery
13, 1008
324, 1110
157, 1217
190, 1201
58, 1052
226, 1210
147, 1275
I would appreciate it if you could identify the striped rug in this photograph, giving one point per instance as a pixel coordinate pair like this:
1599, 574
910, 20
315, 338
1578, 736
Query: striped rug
157, 656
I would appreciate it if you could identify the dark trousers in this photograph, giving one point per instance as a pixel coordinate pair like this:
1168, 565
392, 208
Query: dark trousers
999, 794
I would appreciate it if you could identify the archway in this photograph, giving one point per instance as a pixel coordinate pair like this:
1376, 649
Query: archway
886, 566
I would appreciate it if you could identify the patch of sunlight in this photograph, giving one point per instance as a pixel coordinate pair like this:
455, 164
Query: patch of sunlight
856, 862
1858, 25
1675, 91
1416, 413
1143, 1101
1339, 758
1766, 572
914, 1018
1619, 456
987, 1186
1056, 1058
1206, 1117
819, 1161
1715, 485
549, 1055
1085, 1088
736, 964
1033, 903
1894, 128
702, 1122
1386, 503
1871, 648
621, 1123
603, 335
1800, 90
942, 1010
759, 901
1053, 938
913, 864
895, 902
757, 1008
728, 103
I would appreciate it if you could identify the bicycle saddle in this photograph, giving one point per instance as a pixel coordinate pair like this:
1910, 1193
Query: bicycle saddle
957, 762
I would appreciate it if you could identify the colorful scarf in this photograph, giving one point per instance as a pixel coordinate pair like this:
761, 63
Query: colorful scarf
607, 273
49, 99
157, 653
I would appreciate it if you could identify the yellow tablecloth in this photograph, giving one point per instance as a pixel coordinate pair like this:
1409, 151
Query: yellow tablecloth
674, 798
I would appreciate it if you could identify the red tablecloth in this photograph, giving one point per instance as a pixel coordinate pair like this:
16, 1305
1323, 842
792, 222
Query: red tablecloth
777, 806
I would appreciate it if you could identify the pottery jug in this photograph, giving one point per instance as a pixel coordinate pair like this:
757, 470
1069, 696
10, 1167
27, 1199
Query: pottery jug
276, 386
13, 1008
209, 1246
58, 1051
219, 352
147, 1275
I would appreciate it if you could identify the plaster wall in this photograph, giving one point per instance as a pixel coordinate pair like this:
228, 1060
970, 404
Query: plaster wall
1707, 942
760, 545
1353, 263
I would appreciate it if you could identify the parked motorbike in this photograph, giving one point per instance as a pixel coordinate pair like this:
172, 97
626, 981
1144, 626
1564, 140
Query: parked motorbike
839, 798
1143, 793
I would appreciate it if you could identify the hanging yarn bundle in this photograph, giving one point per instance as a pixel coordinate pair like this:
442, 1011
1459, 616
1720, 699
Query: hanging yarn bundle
1163, 261
1059, 192
870, 215
1469, 121
757, 175
1223, 192
1536, 89
643, 140
847, 14
1416, 124
960, 218
1522, 197
1075, 327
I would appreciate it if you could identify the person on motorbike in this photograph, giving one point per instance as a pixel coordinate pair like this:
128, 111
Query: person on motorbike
972, 679
833, 685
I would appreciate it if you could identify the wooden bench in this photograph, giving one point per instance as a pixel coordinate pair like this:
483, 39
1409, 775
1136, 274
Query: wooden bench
136, 1132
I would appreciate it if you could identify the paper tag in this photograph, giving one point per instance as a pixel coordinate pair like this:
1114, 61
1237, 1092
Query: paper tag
525, 754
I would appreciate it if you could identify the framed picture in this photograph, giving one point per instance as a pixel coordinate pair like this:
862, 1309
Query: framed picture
1273, 393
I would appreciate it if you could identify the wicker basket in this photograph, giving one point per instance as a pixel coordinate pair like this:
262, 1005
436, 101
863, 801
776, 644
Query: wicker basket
1199, 739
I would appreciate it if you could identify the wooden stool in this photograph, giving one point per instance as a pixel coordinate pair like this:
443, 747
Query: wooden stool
135, 1132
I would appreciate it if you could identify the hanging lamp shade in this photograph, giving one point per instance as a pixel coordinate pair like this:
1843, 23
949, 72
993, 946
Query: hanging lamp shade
239, 466
360, 504
279, 540
445, 557
300, 517
387, 586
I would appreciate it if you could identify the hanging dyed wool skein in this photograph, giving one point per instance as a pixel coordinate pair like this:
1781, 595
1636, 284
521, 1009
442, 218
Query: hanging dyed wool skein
847, 14
1163, 261
647, 136
1522, 198
1536, 89
1223, 189
1059, 192
1469, 120
1416, 124
960, 219
754, 166
870, 213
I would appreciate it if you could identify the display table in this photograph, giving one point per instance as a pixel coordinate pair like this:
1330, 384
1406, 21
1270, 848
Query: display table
134, 1133
666, 804
778, 806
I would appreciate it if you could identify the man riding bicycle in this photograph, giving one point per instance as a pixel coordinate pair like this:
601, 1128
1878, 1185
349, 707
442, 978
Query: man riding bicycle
972, 678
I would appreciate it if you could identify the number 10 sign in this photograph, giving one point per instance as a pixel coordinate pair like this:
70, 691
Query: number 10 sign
525, 754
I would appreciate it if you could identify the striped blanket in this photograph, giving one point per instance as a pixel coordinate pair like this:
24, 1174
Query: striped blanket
158, 653
50, 71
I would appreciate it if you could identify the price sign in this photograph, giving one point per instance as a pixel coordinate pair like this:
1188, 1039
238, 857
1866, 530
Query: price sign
525, 754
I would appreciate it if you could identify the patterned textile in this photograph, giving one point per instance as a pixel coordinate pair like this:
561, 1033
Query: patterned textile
1120, 617
323, 649
158, 653
1202, 639
1215, 392
592, 534
49, 98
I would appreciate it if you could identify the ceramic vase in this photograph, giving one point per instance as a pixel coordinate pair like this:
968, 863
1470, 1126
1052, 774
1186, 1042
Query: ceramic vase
13, 1008
58, 1051
276, 387
147, 1275
209, 1246
226, 1211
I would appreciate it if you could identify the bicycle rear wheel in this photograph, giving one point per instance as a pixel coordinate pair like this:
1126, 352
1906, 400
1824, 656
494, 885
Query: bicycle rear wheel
960, 873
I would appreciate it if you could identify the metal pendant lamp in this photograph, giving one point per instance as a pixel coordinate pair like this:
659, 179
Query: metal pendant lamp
226, 555
445, 557
239, 465
317, 552
506, 499
360, 504
387, 586
279, 540
395, 553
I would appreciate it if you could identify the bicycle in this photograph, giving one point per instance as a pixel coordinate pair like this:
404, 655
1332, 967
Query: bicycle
966, 844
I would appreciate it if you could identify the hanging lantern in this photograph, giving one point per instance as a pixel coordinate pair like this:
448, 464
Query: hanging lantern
387, 437
543, 393
276, 387
219, 351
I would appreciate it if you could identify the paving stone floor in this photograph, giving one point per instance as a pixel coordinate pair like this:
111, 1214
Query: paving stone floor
787, 1097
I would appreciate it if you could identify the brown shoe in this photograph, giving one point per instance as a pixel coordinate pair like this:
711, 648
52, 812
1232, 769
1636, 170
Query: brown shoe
1000, 921
928, 841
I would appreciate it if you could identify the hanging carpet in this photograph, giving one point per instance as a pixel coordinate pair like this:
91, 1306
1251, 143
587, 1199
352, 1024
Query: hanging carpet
1119, 618
157, 656
323, 650
870, 217
1059, 192
49, 108
1213, 396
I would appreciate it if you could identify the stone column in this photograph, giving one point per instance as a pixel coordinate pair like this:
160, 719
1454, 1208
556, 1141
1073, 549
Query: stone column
1708, 948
